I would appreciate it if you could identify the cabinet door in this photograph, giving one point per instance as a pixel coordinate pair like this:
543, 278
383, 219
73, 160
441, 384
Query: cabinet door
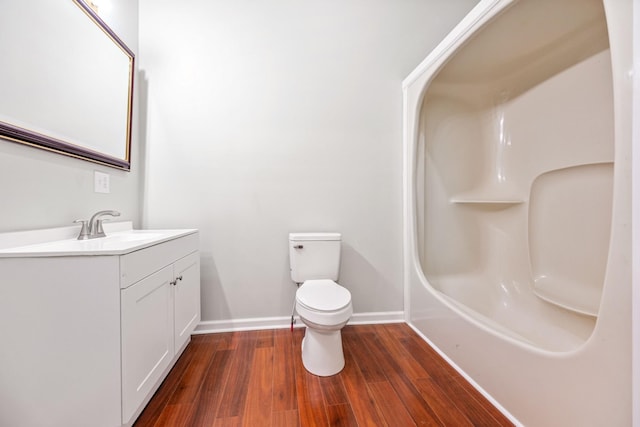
147, 337
186, 298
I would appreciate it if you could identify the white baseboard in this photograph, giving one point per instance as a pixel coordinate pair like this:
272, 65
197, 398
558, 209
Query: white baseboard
377, 317
253, 324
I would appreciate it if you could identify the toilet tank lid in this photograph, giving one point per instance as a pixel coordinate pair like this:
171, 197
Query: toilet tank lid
295, 237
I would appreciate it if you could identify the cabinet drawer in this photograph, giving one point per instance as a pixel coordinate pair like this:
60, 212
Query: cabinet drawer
137, 265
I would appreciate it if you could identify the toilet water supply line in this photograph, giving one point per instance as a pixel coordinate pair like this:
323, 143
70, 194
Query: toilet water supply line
293, 310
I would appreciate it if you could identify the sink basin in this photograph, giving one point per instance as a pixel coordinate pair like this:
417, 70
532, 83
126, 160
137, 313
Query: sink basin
114, 243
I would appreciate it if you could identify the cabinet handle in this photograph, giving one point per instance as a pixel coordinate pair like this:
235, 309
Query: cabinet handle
179, 278
173, 282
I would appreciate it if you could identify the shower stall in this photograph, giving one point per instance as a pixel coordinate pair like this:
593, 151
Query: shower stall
517, 133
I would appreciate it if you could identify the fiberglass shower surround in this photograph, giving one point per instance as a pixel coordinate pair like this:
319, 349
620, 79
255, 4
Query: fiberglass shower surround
517, 178
512, 160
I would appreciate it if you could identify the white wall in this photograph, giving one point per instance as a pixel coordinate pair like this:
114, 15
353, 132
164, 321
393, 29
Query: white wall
264, 118
40, 189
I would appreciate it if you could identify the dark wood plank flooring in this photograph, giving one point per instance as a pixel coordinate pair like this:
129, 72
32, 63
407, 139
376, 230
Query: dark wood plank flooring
256, 378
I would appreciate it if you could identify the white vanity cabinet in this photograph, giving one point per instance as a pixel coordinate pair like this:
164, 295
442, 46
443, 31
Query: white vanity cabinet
90, 329
158, 314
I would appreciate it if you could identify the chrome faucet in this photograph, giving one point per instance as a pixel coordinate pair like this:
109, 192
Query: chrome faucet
92, 228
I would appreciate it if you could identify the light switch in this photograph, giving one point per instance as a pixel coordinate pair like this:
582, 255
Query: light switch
101, 182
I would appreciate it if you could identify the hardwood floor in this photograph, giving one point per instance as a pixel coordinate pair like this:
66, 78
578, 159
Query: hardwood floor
391, 378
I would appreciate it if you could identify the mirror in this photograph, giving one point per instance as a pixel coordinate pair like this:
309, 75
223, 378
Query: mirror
66, 81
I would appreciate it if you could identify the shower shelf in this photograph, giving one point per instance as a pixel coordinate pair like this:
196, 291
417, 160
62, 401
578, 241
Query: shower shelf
485, 200
489, 196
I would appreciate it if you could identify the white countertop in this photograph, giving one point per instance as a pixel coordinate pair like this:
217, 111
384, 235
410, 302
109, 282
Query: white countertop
120, 239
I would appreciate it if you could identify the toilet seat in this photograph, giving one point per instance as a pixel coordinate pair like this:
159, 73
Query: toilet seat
323, 295
323, 302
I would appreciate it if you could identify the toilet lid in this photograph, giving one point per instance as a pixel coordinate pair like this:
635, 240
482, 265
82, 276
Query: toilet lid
323, 295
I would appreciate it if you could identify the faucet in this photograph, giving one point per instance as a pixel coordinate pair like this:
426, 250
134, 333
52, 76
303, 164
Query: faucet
92, 228
95, 223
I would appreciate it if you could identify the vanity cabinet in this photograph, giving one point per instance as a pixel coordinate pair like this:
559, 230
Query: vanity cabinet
90, 332
158, 315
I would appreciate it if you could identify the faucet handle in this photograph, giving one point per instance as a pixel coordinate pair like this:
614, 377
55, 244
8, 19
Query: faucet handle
84, 229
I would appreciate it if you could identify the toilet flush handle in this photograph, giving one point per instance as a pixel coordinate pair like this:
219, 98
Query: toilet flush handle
298, 247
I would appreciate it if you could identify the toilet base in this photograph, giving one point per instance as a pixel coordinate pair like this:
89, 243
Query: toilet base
322, 353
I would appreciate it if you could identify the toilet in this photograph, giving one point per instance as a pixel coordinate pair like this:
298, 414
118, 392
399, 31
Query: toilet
323, 305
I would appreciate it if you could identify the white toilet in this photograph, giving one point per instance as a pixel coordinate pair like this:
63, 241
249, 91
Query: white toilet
323, 305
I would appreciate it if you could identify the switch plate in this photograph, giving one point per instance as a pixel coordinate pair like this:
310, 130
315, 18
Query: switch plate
101, 182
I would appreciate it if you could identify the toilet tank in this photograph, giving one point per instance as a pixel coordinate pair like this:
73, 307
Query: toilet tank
314, 256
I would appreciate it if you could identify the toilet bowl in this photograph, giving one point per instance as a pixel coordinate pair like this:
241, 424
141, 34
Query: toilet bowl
325, 308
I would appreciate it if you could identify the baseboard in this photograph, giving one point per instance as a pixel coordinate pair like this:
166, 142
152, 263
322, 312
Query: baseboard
253, 324
377, 317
